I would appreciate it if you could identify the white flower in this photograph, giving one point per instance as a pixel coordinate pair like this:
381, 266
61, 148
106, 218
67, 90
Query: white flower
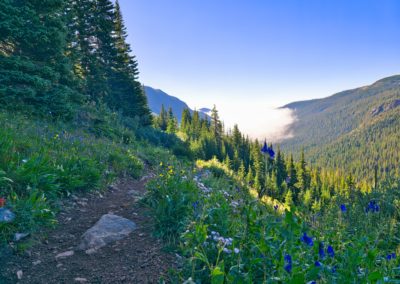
25, 160
236, 250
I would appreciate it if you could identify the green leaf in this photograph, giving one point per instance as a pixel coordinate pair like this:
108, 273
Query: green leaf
217, 275
374, 276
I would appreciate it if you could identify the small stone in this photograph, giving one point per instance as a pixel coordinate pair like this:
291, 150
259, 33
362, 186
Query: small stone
6, 216
90, 251
19, 274
36, 262
82, 203
80, 279
141, 235
59, 265
65, 254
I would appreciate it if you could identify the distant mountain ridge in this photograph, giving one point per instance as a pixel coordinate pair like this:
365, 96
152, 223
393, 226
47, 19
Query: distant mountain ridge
156, 98
338, 130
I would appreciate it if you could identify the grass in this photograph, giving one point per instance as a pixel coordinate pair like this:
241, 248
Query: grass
227, 235
43, 161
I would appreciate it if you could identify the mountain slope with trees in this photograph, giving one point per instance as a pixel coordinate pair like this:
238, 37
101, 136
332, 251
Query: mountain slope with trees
355, 130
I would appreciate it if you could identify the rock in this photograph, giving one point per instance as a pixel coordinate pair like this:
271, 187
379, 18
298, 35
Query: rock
19, 274
36, 262
6, 216
80, 280
65, 254
108, 229
19, 236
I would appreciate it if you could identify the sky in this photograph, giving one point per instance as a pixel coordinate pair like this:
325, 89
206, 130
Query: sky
249, 57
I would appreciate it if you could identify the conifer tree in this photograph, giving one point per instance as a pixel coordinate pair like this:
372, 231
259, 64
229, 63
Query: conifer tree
35, 75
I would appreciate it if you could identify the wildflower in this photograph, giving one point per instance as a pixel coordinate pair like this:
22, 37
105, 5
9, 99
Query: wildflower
2, 201
318, 264
343, 208
271, 153
195, 204
313, 282
307, 240
372, 206
321, 250
264, 149
24, 161
330, 251
228, 251
391, 256
276, 207
267, 150
334, 269
236, 250
288, 261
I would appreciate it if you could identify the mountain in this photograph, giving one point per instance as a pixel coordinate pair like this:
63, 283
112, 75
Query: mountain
353, 130
156, 98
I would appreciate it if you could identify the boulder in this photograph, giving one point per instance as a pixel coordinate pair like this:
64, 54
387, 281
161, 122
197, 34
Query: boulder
108, 229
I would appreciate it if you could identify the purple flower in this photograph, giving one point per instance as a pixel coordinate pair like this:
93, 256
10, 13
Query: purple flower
288, 263
307, 240
391, 256
372, 207
330, 251
276, 207
264, 149
343, 208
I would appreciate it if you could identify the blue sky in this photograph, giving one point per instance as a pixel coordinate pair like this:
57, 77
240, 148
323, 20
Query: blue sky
243, 55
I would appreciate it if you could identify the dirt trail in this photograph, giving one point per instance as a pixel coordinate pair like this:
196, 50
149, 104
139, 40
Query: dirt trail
136, 259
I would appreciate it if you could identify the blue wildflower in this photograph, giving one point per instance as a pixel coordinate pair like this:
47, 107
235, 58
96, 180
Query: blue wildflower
391, 256
330, 251
267, 150
321, 250
343, 208
195, 204
276, 207
334, 269
318, 264
372, 206
264, 149
271, 153
313, 282
288, 263
307, 240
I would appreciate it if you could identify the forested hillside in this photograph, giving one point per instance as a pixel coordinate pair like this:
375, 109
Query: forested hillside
353, 131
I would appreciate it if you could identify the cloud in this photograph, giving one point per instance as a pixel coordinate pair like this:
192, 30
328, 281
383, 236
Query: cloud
262, 122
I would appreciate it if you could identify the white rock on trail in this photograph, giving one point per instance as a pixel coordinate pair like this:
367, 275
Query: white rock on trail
19, 274
108, 229
65, 254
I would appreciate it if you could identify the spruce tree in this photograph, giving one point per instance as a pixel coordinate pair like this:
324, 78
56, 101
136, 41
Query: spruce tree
35, 75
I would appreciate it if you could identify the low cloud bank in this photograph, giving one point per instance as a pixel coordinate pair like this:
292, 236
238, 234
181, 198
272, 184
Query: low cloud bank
262, 122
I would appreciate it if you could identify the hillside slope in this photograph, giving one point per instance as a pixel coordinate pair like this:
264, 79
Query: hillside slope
354, 129
156, 98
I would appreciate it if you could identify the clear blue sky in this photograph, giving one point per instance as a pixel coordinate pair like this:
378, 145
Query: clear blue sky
238, 53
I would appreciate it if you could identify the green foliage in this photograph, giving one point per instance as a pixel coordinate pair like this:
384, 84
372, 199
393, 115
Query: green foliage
228, 236
39, 164
171, 197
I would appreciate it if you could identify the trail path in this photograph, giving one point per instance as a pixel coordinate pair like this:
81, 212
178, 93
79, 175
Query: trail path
136, 259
